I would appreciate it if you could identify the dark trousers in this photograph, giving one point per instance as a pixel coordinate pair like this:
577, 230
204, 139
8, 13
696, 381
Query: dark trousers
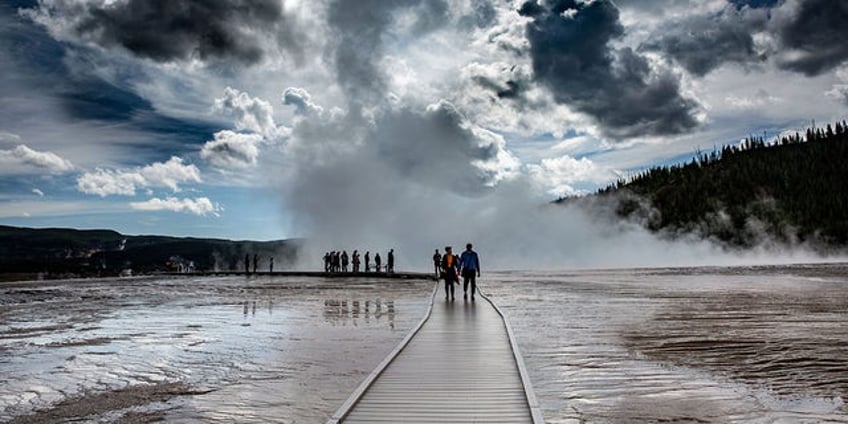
448, 287
469, 275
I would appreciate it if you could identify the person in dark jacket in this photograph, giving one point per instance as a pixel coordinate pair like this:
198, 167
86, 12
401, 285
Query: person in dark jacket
377, 262
368, 261
355, 260
470, 265
390, 262
437, 262
449, 271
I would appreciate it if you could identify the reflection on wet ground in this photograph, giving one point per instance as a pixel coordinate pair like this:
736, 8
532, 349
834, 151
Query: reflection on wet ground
747, 345
197, 350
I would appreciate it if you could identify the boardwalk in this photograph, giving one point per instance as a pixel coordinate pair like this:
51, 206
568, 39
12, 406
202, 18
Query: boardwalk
321, 274
458, 368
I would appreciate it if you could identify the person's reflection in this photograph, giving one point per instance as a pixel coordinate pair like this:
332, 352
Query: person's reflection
343, 312
390, 311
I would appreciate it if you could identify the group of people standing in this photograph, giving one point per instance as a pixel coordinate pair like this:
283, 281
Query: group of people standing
256, 263
450, 267
338, 261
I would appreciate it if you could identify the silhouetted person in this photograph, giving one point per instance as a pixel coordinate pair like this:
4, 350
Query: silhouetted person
470, 264
326, 261
367, 261
255, 262
437, 262
449, 268
271, 266
356, 261
390, 261
247, 263
377, 262
345, 261
337, 261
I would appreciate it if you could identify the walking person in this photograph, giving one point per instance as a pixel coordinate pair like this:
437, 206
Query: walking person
326, 261
368, 261
470, 265
437, 262
345, 261
449, 267
377, 262
390, 261
271, 266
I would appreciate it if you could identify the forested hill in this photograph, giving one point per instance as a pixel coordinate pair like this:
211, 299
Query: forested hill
792, 190
61, 252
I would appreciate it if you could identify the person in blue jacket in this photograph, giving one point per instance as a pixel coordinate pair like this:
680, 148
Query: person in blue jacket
469, 264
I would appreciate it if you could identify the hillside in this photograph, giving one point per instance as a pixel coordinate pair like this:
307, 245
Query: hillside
69, 252
789, 191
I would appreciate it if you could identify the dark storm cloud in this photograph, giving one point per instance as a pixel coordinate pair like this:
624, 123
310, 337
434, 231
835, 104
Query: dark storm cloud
703, 43
816, 35
360, 29
572, 56
167, 30
36, 82
754, 3
808, 36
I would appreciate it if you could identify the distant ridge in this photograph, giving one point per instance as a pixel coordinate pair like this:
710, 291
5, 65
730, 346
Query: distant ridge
790, 191
62, 252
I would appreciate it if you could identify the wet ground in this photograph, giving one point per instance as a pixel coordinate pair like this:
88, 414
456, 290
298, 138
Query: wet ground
195, 350
712, 345
746, 345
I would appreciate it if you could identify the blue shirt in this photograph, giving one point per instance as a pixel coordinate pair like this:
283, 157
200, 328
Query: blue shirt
469, 260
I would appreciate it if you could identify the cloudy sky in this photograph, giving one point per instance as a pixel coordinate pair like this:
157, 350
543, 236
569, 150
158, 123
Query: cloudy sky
266, 119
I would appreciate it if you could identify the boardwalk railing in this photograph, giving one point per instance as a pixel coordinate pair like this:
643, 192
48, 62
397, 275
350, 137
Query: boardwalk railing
461, 363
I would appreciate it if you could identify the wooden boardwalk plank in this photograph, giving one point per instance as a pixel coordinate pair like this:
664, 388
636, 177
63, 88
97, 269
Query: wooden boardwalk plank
458, 365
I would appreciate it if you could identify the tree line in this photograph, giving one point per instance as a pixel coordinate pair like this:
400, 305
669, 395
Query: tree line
790, 190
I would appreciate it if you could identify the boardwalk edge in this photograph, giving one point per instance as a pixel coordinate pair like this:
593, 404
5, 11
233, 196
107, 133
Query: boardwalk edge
357, 394
535, 409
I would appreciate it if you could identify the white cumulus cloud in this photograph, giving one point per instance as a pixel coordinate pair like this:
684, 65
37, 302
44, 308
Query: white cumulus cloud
302, 101
201, 206
23, 157
232, 150
559, 175
250, 113
170, 174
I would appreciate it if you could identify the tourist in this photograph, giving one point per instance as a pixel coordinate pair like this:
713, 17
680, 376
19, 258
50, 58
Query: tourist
368, 261
449, 271
390, 261
345, 260
470, 265
271, 266
356, 261
437, 262
377, 262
